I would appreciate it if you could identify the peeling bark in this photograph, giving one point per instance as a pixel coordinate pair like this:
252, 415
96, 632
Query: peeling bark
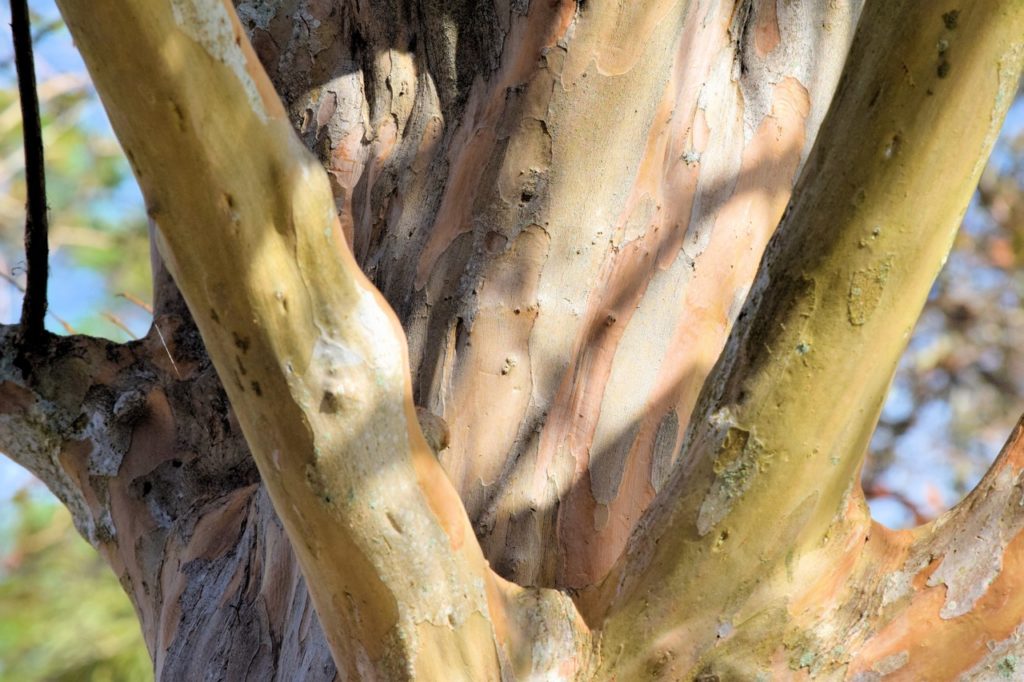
829, 315
548, 291
149, 459
563, 206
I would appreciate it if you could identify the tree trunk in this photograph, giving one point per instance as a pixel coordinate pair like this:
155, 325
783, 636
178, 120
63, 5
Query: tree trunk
565, 204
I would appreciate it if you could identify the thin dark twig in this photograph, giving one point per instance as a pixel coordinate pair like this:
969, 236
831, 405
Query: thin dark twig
33, 310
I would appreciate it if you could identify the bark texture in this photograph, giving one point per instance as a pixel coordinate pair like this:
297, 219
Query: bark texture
918, 109
563, 206
141, 444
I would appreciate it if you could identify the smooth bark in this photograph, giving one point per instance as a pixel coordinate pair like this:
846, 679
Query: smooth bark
565, 204
784, 421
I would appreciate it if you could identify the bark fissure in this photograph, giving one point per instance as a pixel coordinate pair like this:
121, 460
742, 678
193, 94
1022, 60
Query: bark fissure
401, 586
565, 204
149, 461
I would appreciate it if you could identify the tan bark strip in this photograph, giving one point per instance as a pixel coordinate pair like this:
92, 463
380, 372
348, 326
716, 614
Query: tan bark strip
599, 122
473, 147
767, 170
312, 357
586, 422
918, 109
494, 385
649, 186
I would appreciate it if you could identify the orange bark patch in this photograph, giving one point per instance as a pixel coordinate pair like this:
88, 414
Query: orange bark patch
217, 531
939, 649
623, 36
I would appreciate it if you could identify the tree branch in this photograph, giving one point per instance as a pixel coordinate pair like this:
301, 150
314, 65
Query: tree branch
967, 566
785, 418
311, 356
61, 402
33, 311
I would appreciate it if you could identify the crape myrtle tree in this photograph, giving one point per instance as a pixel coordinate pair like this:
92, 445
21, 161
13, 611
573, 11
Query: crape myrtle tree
531, 340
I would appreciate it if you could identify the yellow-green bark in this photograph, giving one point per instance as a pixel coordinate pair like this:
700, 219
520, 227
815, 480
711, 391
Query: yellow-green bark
575, 225
776, 443
311, 356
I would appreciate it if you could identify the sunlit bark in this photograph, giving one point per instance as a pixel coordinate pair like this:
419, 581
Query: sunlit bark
766, 521
565, 204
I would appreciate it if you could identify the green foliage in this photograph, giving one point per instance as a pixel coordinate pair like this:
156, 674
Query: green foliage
63, 615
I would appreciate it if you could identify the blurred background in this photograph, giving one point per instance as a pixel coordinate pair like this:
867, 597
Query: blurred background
63, 615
